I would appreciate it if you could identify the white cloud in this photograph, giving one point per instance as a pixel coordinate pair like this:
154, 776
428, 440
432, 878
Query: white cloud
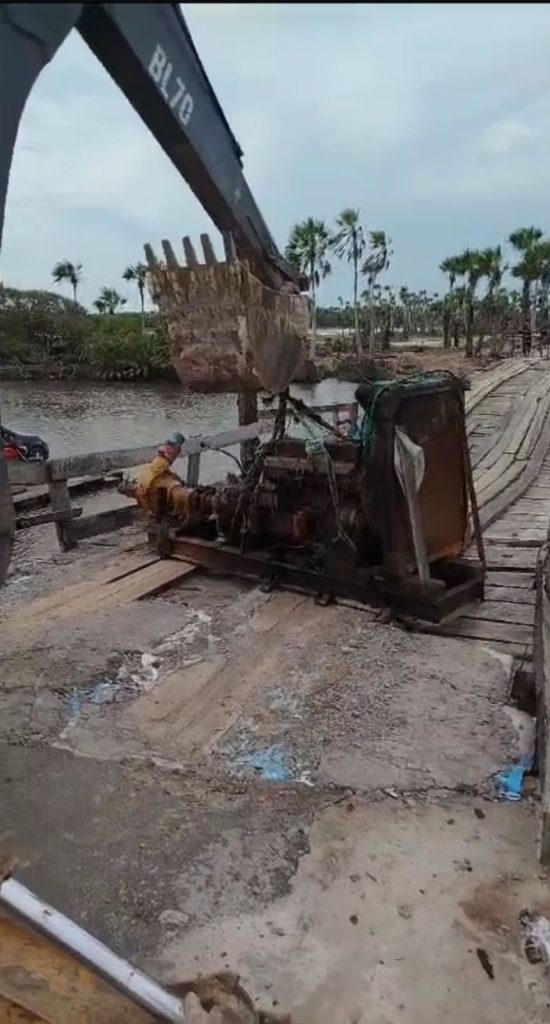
507, 136
431, 118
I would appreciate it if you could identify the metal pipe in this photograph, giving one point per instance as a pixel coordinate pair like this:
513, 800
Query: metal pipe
122, 975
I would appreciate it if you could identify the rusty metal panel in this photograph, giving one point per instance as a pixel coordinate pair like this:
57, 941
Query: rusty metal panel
431, 414
434, 422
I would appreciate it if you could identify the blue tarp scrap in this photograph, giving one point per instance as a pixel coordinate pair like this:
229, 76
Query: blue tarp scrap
509, 783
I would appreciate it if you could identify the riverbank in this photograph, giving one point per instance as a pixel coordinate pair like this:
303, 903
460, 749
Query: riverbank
334, 360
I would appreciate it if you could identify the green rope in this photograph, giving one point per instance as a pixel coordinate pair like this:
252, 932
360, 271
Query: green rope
381, 387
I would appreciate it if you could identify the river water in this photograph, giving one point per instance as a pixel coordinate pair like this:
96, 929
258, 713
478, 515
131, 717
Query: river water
77, 417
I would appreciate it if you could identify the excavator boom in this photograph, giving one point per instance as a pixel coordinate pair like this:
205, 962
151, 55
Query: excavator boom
251, 307
148, 51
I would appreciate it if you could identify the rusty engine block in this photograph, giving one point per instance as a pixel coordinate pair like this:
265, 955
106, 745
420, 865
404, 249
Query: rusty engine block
331, 514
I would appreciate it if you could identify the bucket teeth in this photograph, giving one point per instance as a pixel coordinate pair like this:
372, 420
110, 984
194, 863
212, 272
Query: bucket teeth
227, 331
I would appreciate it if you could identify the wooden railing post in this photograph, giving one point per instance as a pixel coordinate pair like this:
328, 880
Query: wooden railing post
60, 501
193, 469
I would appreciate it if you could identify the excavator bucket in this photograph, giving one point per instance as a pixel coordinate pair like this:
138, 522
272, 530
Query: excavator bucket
227, 330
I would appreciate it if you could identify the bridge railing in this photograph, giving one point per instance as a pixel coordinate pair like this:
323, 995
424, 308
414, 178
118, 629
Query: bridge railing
71, 526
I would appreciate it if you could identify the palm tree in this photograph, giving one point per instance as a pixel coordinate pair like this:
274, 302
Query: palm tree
452, 267
349, 243
64, 270
109, 301
405, 298
542, 256
377, 260
523, 240
307, 249
472, 267
490, 266
138, 272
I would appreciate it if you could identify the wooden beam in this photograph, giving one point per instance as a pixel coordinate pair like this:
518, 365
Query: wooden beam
541, 666
123, 458
60, 500
104, 522
193, 470
26, 474
25, 522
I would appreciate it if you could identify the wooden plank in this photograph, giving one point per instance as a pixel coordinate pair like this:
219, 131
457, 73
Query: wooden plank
129, 562
12, 1014
491, 380
105, 522
60, 500
509, 441
193, 469
481, 629
26, 474
518, 580
541, 666
511, 558
517, 539
504, 611
498, 479
522, 656
47, 980
122, 458
515, 595
495, 508
40, 518
533, 408
145, 582
533, 432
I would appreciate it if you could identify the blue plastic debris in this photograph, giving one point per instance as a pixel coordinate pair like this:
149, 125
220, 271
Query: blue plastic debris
270, 763
509, 783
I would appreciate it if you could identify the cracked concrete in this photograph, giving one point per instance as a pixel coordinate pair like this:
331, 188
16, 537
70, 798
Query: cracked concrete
292, 797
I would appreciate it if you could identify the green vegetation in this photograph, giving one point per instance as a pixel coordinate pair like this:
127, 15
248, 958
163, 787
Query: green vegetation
67, 271
307, 250
109, 301
138, 272
378, 313
46, 334
43, 333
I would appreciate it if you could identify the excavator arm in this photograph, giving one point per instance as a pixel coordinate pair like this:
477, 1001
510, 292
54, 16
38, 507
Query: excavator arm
148, 51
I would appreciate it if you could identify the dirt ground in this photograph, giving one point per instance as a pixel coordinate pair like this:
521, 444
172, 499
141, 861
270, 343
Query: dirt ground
219, 778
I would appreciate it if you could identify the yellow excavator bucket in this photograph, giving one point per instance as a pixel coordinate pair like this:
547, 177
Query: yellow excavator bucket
227, 330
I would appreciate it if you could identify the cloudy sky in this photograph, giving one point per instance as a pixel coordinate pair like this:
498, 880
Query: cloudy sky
433, 119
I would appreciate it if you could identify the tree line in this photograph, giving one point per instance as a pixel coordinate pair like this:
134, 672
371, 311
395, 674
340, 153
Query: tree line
368, 253
109, 300
462, 311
